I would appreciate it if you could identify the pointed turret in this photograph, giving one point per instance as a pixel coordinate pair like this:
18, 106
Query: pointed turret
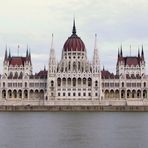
74, 28
52, 58
96, 62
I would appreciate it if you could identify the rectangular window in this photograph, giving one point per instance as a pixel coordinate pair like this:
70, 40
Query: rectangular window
63, 94
79, 94
58, 94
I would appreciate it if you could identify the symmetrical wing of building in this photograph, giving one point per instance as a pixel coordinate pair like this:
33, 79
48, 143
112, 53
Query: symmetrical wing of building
74, 77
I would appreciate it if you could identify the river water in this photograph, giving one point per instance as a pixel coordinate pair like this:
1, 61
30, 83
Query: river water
73, 130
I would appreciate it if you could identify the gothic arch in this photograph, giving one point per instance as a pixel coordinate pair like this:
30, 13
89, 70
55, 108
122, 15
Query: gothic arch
25, 94
9, 93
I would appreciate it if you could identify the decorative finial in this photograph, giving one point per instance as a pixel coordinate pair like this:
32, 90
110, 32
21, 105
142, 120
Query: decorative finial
74, 27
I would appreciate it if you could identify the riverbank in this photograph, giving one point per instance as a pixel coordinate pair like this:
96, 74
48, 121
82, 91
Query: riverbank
57, 106
41, 108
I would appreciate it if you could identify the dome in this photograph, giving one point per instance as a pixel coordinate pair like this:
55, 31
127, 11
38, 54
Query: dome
74, 43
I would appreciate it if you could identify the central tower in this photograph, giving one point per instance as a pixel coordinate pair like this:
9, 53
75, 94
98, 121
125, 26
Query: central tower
74, 78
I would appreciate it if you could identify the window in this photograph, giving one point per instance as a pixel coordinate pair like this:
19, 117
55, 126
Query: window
79, 94
122, 84
144, 84
84, 81
58, 94
96, 83
74, 94
52, 83
96, 94
3, 84
63, 94
89, 94
84, 94
25, 84
68, 94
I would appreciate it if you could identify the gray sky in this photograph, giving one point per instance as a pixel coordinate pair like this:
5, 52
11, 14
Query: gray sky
33, 21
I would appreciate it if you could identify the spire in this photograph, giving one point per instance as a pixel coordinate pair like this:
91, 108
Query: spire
142, 53
138, 53
44, 68
6, 56
118, 53
96, 63
74, 27
9, 53
52, 58
27, 52
121, 51
29, 55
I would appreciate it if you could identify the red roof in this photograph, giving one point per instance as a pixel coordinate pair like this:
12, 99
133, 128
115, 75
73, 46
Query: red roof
74, 43
42, 74
129, 61
17, 61
132, 61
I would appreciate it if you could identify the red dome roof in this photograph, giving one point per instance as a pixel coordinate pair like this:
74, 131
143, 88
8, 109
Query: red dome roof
74, 43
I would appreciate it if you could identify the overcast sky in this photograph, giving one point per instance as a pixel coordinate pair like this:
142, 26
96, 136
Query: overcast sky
33, 21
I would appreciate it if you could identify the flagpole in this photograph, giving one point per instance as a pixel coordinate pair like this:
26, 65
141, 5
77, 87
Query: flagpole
18, 50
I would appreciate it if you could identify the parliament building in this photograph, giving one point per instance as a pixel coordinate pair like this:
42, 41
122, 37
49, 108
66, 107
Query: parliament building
74, 77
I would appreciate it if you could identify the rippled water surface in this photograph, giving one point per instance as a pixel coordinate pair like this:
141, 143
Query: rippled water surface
73, 130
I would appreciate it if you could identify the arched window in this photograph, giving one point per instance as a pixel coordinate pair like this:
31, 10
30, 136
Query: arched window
16, 75
74, 81
122, 84
89, 81
74, 66
84, 81
144, 84
25, 84
96, 83
52, 83
59, 81
3, 84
